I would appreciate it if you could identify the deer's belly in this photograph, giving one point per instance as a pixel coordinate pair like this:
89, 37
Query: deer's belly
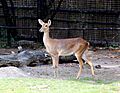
60, 51
66, 53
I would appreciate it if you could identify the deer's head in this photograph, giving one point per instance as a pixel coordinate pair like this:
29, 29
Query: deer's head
45, 26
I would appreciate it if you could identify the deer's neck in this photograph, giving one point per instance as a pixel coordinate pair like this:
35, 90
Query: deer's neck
46, 37
47, 40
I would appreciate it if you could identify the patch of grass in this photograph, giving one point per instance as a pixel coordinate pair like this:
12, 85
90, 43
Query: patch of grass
37, 85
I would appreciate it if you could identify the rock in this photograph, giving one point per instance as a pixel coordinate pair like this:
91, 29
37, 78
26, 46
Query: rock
98, 66
12, 72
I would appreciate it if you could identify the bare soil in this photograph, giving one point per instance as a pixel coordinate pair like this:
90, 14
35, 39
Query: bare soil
109, 61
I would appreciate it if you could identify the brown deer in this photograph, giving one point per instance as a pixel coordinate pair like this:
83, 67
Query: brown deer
64, 47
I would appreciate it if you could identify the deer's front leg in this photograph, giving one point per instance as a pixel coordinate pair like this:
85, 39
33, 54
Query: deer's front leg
55, 61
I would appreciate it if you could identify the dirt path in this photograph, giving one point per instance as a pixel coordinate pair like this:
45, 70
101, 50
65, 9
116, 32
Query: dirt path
110, 69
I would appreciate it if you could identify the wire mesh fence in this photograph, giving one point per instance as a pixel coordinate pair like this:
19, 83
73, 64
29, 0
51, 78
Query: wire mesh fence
95, 20
98, 21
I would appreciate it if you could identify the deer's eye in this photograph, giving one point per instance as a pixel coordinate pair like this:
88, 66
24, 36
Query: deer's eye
45, 25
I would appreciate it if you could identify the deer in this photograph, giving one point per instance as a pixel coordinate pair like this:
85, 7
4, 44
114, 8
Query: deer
64, 47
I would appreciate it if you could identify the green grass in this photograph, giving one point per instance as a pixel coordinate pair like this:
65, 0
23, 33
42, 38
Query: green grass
35, 85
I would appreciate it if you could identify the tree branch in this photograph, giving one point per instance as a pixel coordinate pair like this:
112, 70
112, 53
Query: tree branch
58, 7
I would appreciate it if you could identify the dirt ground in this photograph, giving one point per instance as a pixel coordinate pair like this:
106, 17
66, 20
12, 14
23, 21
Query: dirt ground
108, 60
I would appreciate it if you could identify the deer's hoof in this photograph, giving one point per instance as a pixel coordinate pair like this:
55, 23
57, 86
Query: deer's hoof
54, 67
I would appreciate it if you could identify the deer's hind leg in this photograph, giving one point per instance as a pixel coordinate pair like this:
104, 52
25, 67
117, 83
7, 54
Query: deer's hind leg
91, 65
78, 55
88, 60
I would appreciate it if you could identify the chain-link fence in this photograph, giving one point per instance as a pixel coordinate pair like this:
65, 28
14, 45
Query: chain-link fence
98, 21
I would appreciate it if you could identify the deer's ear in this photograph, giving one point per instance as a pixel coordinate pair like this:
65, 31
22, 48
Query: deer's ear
49, 22
40, 21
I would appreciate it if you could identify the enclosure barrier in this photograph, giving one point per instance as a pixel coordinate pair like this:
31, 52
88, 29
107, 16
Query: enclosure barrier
97, 21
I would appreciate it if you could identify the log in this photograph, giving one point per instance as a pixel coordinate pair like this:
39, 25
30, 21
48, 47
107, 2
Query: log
23, 58
31, 58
